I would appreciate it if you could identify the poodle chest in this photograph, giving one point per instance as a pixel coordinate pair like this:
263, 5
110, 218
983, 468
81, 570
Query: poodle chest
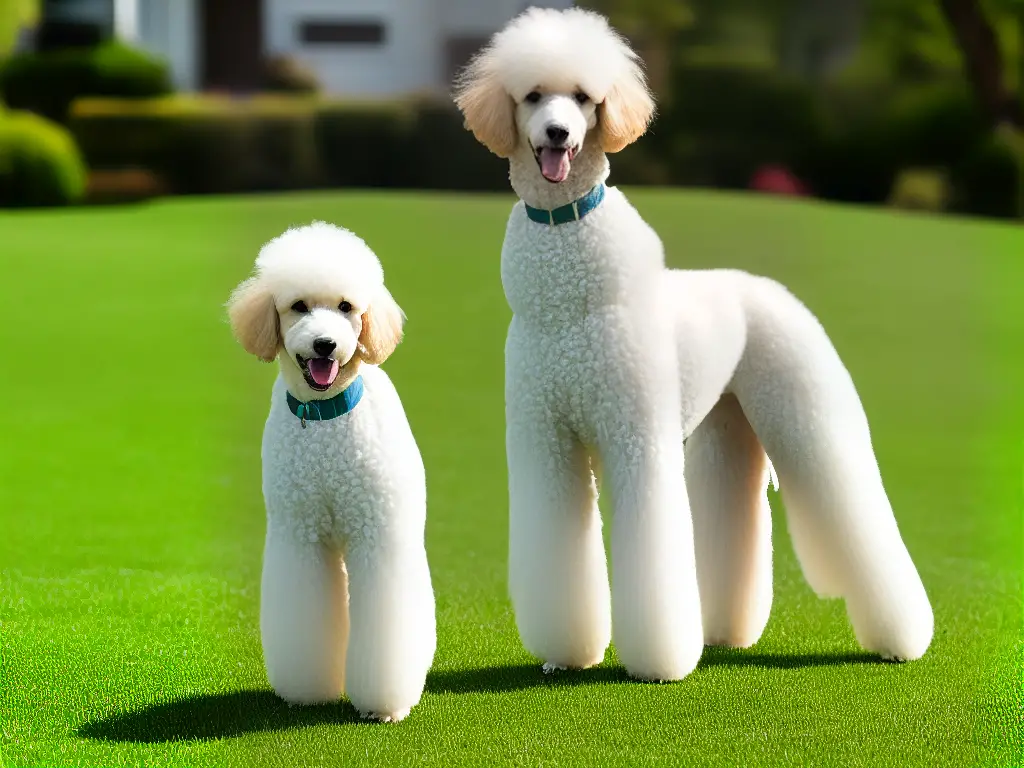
586, 304
347, 479
560, 274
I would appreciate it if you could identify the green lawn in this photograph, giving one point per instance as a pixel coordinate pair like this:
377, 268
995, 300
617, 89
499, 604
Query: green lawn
131, 520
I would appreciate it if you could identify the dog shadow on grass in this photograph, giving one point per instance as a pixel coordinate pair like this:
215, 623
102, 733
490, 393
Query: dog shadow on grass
215, 716
224, 715
521, 676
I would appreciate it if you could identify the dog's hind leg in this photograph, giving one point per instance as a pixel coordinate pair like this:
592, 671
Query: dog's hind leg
726, 480
303, 618
804, 407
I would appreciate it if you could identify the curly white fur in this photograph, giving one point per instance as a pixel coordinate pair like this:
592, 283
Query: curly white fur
611, 356
346, 603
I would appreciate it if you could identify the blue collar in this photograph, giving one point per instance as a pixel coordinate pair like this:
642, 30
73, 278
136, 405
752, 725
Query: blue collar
574, 211
324, 410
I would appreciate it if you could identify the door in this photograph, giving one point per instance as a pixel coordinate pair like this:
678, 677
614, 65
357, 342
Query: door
231, 34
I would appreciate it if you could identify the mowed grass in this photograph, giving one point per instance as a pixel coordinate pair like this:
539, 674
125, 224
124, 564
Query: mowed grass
131, 519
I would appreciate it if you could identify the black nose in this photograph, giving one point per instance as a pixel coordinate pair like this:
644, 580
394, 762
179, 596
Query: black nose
324, 347
557, 133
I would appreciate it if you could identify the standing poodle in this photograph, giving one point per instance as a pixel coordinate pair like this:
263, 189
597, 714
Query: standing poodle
347, 603
611, 356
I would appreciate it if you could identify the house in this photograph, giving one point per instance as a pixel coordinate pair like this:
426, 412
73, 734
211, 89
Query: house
362, 48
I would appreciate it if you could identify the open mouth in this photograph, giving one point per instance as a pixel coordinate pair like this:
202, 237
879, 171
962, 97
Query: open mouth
554, 162
319, 372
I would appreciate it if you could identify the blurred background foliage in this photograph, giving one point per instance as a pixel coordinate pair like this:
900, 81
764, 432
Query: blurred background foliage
15, 15
848, 100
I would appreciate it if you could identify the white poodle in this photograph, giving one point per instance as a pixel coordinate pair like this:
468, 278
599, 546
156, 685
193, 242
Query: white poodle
610, 356
347, 603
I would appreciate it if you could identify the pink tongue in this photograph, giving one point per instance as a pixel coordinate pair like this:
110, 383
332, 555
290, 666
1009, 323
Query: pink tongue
323, 370
554, 164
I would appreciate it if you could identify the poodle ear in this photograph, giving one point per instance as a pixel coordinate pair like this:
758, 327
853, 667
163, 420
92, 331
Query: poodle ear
626, 112
487, 107
254, 319
382, 328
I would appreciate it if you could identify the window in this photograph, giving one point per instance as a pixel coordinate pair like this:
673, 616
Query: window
320, 32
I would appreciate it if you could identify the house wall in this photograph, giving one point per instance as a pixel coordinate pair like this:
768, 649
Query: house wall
425, 41
168, 28
126, 20
408, 60
466, 25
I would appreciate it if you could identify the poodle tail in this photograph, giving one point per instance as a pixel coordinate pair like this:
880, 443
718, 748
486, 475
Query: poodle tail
805, 410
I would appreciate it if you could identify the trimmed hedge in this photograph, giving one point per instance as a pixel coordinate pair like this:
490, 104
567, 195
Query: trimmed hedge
48, 83
217, 145
203, 146
444, 155
717, 134
365, 144
39, 162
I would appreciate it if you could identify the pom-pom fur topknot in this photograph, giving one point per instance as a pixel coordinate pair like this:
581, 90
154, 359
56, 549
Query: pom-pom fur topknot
612, 360
346, 599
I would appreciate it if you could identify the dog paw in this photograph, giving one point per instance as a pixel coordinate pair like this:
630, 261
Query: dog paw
386, 717
549, 667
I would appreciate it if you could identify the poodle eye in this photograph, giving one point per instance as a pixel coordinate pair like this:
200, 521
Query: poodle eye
345, 307
532, 97
581, 97
300, 307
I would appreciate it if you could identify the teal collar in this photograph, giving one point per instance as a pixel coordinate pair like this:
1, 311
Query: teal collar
574, 211
324, 410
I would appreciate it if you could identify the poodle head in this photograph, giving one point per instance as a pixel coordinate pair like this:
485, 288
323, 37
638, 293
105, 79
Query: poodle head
550, 81
318, 303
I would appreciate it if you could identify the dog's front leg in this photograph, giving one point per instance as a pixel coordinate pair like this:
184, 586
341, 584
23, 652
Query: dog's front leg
393, 635
655, 601
303, 618
558, 570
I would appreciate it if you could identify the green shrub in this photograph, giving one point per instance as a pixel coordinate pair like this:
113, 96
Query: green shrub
862, 151
421, 144
39, 162
204, 145
48, 83
365, 144
987, 181
637, 164
725, 121
444, 155
215, 145
920, 189
855, 163
933, 126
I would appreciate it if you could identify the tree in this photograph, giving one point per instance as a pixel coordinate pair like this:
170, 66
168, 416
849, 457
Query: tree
983, 59
14, 16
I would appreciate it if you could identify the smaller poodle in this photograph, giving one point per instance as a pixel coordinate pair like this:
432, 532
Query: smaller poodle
346, 599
